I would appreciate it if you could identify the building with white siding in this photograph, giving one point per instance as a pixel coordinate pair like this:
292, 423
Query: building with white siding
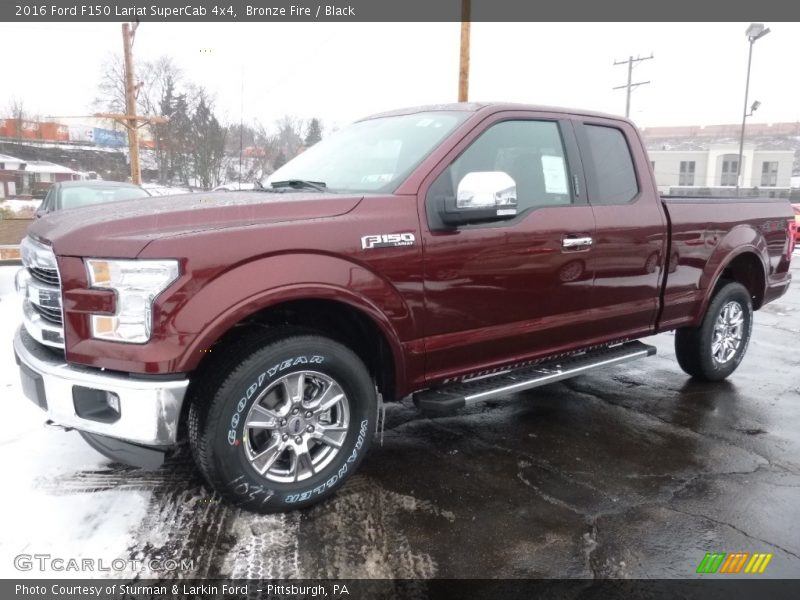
716, 167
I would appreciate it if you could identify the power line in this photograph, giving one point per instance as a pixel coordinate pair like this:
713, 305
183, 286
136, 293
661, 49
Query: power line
630, 85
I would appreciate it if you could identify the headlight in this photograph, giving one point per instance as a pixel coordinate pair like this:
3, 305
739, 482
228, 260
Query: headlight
137, 284
36, 255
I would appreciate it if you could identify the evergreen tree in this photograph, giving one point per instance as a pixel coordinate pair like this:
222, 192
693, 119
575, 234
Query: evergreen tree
181, 139
208, 143
314, 132
163, 133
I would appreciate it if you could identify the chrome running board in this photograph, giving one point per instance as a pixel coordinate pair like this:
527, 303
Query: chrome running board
447, 398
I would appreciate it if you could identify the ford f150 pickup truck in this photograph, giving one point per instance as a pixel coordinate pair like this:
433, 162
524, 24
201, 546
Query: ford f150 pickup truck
448, 253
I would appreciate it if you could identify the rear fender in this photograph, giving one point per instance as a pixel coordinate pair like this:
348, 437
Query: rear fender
740, 240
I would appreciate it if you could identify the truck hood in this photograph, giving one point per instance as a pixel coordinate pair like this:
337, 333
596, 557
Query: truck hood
123, 229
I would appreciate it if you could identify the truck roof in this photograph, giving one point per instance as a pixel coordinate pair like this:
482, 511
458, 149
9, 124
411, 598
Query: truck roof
491, 107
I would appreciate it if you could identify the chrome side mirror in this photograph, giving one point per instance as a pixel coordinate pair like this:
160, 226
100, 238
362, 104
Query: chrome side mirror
487, 189
481, 196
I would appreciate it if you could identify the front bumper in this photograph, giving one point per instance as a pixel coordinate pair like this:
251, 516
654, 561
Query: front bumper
149, 410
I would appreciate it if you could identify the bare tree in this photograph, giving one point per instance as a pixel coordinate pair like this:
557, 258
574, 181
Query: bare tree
111, 87
16, 109
158, 86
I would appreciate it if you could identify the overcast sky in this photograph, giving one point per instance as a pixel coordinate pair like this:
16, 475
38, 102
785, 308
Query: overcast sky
339, 72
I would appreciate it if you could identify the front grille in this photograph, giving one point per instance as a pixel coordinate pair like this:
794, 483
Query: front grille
42, 303
48, 276
53, 315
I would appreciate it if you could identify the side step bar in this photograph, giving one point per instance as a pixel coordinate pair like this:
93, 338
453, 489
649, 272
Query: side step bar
448, 398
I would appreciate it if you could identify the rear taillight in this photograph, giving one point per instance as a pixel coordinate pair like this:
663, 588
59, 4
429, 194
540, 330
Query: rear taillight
792, 223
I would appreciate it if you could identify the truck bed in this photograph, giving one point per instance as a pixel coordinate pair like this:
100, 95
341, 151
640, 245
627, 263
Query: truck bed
703, 232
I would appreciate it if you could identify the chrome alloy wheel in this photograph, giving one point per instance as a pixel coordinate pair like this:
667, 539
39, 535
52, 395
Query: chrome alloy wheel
728, 332
296, 427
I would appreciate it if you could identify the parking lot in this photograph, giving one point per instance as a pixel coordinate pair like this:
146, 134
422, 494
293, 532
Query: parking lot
633, 472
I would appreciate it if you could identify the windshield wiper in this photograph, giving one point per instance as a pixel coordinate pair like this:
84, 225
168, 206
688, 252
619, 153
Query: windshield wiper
299, 184
259, 187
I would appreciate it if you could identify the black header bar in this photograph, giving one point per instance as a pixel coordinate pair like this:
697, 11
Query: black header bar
397, 10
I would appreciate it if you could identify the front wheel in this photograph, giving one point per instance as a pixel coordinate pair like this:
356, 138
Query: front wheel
714, 350
287, 425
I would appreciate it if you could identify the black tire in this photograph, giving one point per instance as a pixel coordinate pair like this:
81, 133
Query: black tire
694, 346
223, 446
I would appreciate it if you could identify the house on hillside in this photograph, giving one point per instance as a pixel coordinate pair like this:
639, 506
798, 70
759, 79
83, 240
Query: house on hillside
31, 177
9, 166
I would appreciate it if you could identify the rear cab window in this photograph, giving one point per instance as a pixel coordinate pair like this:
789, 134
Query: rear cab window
609, 165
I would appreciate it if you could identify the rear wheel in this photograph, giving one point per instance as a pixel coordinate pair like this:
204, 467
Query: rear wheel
714, 350
286, 425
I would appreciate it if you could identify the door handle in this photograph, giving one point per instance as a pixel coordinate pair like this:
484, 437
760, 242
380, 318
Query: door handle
577, 242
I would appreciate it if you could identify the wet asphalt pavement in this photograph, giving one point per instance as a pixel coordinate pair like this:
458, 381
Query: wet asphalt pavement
631, 472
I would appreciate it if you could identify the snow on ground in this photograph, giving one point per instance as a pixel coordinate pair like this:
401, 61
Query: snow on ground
33, 520
74, 146
20, 205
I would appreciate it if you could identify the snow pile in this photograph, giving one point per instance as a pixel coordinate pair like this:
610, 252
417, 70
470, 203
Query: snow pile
16, 206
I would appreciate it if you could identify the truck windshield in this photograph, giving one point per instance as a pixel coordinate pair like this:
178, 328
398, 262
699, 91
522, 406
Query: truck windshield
73, 197
370, 156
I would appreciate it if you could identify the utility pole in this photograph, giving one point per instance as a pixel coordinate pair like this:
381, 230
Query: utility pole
130, 102
130, 120
463, 70
630, 85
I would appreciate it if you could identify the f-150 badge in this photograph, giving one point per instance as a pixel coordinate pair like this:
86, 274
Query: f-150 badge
387, 240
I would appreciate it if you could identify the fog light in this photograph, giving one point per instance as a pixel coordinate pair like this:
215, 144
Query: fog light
96, 405
113, 401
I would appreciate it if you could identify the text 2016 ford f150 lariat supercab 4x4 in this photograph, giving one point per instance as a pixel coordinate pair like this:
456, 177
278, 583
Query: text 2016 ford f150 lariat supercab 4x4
456, 253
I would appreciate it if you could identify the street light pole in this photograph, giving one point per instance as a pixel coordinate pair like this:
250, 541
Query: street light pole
754, 32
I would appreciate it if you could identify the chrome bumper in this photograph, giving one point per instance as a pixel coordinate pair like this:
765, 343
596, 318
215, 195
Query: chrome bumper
148, 410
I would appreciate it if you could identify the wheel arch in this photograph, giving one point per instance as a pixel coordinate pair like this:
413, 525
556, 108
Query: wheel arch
745, 266
336, 313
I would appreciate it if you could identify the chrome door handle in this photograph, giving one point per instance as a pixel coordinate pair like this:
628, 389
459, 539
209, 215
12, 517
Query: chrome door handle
578, 242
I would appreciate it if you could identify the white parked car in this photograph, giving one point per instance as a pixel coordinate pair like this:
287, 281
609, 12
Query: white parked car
234, 186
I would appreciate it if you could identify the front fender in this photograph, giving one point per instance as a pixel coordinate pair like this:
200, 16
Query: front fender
235, 294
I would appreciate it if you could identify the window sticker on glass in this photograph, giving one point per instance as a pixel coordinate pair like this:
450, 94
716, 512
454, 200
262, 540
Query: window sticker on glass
555, 175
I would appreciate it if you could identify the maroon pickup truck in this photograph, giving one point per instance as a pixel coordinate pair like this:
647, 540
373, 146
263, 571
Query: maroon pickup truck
450, 253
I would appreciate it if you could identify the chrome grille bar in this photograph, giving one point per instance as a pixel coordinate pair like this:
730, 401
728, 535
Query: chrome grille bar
39, 284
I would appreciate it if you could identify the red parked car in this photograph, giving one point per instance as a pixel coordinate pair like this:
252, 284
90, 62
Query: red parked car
453, 253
